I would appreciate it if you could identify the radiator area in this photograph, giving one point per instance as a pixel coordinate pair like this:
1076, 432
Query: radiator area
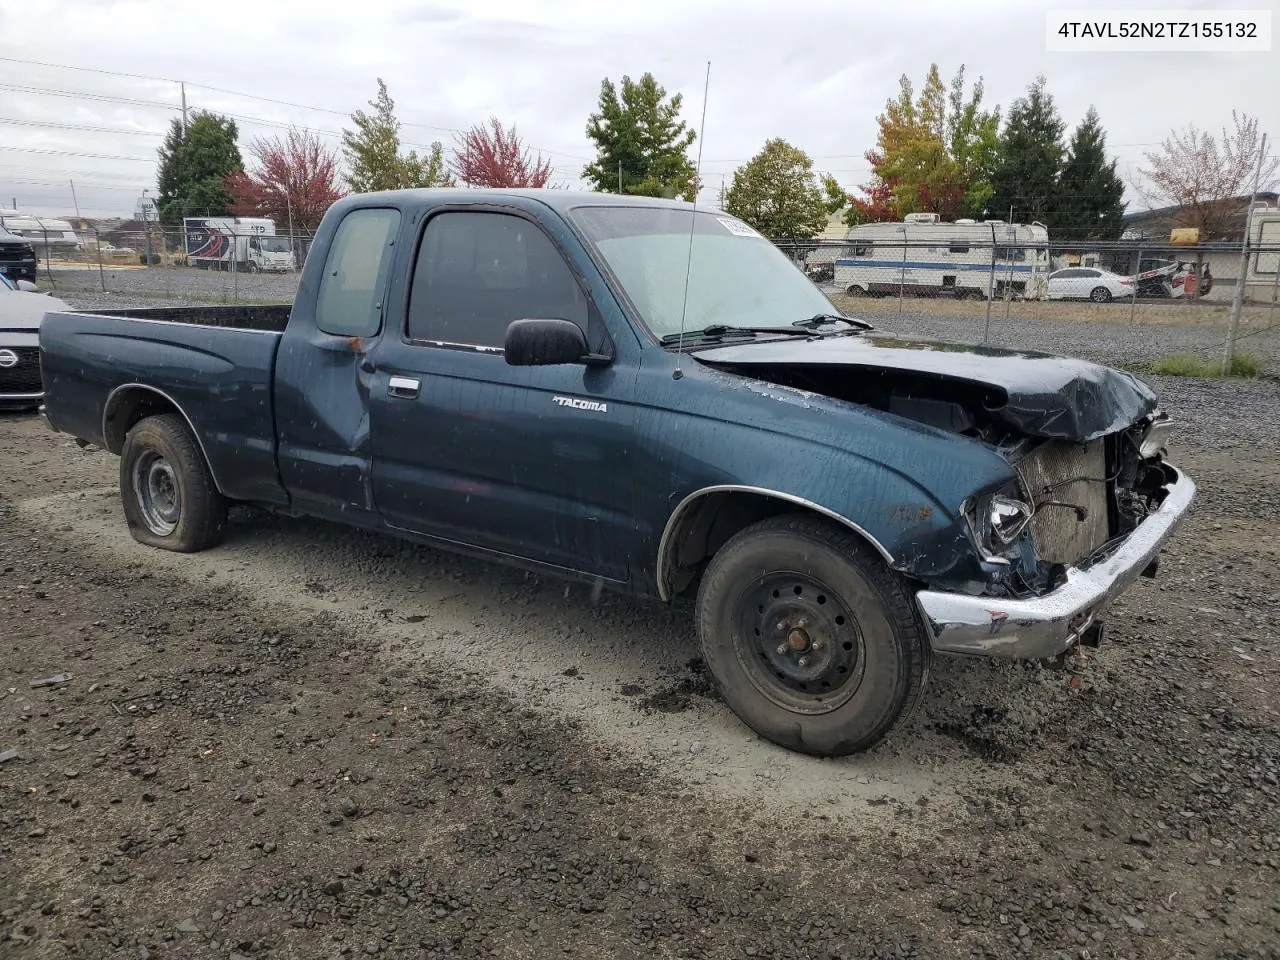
1058, 472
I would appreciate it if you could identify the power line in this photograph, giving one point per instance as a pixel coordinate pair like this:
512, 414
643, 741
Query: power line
228, 92
80, 95
75, 153
64, 66
80, 126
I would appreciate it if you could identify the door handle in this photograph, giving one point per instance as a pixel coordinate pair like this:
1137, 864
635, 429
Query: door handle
404, 387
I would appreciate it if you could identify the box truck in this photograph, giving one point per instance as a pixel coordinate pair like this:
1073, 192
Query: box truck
247, 244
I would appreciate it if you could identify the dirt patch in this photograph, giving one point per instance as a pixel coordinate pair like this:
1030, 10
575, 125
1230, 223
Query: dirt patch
431, 758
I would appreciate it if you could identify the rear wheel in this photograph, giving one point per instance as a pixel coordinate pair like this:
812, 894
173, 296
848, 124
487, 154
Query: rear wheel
168, 493
1100, 295
813, 642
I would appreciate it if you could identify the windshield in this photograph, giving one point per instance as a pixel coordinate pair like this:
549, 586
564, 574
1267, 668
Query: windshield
737, 277
275, 245
6, 283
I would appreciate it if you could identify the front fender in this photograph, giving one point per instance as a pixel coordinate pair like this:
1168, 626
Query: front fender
915, 530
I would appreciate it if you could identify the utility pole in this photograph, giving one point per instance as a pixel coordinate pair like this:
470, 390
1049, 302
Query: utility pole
619, 176
73, 198
1233, 327
183, 87
146, 225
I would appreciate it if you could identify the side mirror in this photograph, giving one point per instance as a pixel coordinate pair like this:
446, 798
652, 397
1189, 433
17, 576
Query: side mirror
28, 286
537, 343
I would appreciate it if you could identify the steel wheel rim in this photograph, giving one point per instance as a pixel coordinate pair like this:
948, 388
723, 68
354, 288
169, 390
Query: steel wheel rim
799, 643
155, 486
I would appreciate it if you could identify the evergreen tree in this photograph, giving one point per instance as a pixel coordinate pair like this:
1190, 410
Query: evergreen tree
194, 167
640, 142
777, 193
1090, 194
1029, 160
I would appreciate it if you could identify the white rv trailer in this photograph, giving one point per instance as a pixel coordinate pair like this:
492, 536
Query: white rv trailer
1264, 263
48, 236
926, 257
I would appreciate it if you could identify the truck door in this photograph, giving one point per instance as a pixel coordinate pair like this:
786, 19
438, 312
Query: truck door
323, 372
529, 462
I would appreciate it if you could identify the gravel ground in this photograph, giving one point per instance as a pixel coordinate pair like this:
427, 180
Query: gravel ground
147, 286
316, 742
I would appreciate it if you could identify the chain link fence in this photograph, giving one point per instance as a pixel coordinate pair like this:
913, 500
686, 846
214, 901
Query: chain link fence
1002, 281
972, 287
191, 265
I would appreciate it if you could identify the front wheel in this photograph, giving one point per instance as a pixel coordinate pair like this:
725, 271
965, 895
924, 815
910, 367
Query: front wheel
169, 497
813, 642
1100, 295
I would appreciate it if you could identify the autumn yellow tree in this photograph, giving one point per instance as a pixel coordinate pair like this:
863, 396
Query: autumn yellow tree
934, 152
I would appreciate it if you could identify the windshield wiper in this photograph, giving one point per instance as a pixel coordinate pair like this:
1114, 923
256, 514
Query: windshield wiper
822, 319
718, 331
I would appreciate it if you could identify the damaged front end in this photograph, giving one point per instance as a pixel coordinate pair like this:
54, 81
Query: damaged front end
1079, 524
1071, 504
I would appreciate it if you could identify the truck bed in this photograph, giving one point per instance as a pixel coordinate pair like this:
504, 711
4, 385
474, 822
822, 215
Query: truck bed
270, 318
214, 365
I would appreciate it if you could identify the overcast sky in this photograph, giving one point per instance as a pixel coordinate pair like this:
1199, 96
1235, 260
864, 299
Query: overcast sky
815, 73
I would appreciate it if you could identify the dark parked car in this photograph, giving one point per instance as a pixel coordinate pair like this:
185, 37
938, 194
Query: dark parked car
17, 257
526, 376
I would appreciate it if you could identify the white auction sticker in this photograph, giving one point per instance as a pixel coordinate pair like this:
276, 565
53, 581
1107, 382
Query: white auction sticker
737, 227
1158, 31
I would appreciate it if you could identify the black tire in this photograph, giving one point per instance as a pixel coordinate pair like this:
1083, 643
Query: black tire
856, 657
168, 493
855, 291
1100, 295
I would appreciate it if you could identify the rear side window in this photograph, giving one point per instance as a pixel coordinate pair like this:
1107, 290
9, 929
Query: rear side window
477, 272
355, 274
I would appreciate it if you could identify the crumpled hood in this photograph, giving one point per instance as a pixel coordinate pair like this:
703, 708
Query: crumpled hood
1039, 394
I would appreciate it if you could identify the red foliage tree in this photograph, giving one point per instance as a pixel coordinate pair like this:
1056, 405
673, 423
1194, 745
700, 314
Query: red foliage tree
488, 155
295, 177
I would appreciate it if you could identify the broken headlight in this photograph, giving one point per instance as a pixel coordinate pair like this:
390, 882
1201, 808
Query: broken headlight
1156, 436
996, 521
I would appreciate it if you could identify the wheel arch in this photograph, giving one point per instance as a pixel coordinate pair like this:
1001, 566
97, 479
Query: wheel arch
130, 403
705, 519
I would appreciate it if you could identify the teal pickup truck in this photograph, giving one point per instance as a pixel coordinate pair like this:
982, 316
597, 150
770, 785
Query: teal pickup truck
652, 398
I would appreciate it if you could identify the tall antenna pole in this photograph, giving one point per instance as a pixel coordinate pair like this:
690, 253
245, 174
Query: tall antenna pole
693, 217
73, 198
183, 87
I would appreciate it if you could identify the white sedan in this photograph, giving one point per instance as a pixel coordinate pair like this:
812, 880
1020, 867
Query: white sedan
1089, 283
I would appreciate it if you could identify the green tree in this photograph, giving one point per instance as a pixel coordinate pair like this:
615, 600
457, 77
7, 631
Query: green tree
372, 152
429, 170
973, 142
1030, 158
834, 196
194, 166
934, 152
777, 193
1090, 202
640, 142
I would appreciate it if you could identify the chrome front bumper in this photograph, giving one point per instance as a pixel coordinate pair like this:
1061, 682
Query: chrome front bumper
1043, 627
